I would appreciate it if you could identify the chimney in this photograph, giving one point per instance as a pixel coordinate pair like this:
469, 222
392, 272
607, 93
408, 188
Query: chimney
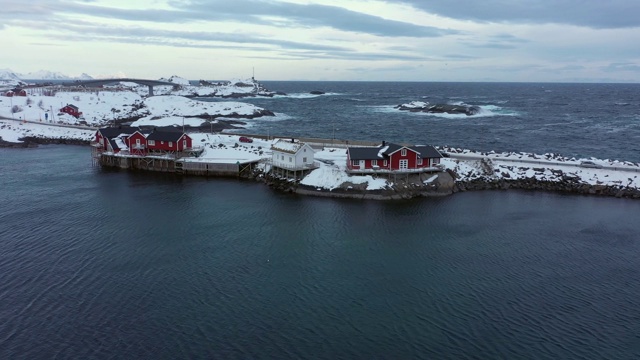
293, 140
384, 143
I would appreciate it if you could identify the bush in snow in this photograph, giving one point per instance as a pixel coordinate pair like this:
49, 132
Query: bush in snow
16, 109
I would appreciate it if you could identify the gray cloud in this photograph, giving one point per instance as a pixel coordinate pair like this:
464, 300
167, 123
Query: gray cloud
211, 40
622, 67
588, 13
265, 13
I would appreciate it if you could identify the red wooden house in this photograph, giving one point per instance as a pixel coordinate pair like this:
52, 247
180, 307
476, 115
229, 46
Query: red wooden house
9, 93
162, 141
19, 92
392, 157
136, 142
114, 139
71, 110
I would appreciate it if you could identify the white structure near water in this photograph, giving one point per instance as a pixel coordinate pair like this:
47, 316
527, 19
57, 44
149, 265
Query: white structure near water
292, 155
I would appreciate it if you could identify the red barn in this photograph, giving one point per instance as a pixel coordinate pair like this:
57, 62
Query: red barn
71, 110
9, 93
392, 157
168, 141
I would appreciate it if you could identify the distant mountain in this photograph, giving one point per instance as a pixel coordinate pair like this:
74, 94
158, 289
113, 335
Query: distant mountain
176, 80
44, 75
52, 75
7, 74
9, 79
84, 76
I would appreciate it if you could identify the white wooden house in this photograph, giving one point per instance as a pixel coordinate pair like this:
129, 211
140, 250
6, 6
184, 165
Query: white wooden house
292, 158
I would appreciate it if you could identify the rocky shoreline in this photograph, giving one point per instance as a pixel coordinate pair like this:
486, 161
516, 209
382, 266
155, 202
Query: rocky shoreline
566, 186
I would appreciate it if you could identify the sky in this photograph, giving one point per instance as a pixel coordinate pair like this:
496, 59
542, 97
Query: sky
334, 40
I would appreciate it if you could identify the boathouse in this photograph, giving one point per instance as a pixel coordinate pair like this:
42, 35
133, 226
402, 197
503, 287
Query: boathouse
390, 157
167, 141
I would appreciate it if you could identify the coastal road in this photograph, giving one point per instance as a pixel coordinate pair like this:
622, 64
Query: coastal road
81, 127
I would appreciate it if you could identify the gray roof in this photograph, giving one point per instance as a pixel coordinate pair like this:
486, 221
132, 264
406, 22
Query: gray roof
163, 135
372, 153
111, 132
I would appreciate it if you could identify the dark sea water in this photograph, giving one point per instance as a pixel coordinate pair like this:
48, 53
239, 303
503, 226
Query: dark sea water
581, 120
99, 264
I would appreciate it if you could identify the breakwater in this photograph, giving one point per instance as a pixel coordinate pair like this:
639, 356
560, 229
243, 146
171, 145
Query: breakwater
564, 186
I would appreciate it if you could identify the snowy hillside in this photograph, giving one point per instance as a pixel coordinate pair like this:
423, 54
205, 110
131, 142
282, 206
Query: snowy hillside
9, 79
101, 108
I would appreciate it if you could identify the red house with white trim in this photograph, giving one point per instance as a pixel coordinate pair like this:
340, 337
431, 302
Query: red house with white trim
137, 142
71, 110
392, 157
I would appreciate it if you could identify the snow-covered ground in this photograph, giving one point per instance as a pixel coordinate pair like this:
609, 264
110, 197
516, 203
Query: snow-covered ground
548, 167
12, 131
100, 108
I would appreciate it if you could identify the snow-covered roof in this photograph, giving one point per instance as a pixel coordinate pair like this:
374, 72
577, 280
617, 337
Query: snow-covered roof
287, 146
374, 153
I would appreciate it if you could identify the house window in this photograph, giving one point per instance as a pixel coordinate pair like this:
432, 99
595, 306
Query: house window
282, 157
170, 144
304, 159
374, 162
384, 163
152, 142
304, 150
161, 142
403, 152
290, 160
419, 161
355, 162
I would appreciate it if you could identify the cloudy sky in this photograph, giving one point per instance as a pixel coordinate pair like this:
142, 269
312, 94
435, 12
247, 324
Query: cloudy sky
406, 40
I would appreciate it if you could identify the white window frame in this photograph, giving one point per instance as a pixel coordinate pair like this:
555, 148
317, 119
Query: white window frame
403, 152
419, 161
170, 143
151, 142
374, 162
355, 163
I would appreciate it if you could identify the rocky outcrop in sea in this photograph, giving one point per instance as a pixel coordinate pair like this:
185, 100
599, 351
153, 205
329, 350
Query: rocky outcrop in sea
425, 107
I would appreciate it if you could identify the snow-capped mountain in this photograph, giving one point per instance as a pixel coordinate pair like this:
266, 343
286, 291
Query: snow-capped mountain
7, 74
9, 79
52, 75
176, 80
44, 75
84, 76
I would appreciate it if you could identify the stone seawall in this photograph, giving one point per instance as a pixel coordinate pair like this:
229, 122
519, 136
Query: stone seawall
565, 186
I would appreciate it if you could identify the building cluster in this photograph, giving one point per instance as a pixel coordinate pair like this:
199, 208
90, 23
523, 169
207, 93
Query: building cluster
387, 158
133, 141
289, 158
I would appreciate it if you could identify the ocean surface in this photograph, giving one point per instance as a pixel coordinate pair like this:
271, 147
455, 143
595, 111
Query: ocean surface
574, 120
98, 264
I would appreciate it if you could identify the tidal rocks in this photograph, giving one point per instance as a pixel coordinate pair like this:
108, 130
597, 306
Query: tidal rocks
419, 106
